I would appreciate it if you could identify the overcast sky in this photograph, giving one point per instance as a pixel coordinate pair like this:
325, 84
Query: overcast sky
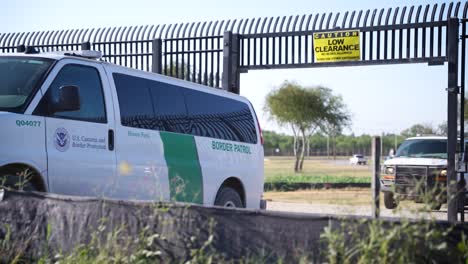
380, 98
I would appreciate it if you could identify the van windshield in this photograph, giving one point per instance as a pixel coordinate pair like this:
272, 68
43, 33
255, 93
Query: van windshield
423, 148
19, 79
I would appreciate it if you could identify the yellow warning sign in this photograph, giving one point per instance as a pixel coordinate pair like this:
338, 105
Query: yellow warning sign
337, 46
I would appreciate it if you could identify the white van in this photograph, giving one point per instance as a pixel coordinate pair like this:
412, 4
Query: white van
79, 126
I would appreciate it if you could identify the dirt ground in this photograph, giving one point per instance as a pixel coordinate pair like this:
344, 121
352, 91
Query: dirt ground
345, 202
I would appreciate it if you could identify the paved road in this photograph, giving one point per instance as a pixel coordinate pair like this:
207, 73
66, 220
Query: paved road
331, 209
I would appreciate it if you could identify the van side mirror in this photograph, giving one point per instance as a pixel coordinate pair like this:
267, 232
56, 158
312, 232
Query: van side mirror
68, 99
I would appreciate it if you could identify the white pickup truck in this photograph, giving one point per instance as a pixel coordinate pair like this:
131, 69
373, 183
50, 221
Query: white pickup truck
419, 166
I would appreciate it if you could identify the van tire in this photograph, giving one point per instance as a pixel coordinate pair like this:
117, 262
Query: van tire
389, 200
228, 197
11, 179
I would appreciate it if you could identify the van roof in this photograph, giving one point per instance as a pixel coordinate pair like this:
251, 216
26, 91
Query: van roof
192, 85
47, 55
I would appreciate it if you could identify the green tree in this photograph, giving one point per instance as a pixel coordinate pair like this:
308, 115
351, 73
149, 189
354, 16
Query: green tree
273, 141
442, 128
304, 110
418, 129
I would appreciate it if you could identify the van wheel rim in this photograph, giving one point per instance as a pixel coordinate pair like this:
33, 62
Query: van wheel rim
229, 204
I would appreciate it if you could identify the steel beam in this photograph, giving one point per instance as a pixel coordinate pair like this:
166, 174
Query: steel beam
452, 107
231, 73
376, 153
157, 56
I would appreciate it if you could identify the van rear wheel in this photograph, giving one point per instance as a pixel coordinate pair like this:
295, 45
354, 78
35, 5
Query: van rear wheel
228, 197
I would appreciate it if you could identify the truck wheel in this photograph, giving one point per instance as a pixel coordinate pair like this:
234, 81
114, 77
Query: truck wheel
228, 197
436, 206
389, 200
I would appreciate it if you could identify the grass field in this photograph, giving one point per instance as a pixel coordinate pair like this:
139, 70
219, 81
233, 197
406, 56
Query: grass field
322, 170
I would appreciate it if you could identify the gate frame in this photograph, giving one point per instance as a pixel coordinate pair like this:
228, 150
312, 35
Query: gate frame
152, 48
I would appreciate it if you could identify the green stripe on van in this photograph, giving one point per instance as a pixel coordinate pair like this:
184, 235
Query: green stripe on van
185, 177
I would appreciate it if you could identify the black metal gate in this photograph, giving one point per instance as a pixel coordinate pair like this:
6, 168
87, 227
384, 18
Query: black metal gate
216, 53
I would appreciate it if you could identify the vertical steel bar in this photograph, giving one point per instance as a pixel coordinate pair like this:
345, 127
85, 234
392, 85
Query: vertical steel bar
268, 39
379, 33
293, 41
452, 109
171, 59
205, 74
395, 15
424, 33
364, 44
408, 34
286, 43
462, 120
431, 38
400, 40
194, 58
165, 57
387, 19
376, 151
416, 33
218, 66
199, 60
439, 36
212, 55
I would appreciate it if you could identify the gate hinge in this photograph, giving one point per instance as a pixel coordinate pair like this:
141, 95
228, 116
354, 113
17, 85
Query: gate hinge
455, 89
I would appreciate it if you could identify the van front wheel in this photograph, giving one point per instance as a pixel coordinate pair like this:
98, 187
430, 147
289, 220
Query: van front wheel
14, 179
228, 197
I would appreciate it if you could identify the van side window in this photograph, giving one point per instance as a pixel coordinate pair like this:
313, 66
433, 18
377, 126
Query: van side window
136, 108
90, 89
169, 106
219, 117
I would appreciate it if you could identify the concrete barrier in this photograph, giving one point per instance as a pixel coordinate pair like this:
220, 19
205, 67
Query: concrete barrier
41, 224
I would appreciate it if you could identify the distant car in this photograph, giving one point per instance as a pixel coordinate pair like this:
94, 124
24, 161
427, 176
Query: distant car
358, 159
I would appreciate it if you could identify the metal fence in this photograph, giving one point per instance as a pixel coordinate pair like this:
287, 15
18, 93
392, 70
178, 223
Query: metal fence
216, 53
194, 51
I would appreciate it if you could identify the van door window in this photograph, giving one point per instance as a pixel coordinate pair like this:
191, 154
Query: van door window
169, 106
88, 81
136, 108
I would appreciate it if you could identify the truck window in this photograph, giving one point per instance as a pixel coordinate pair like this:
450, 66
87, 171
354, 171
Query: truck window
136, 108
91, 95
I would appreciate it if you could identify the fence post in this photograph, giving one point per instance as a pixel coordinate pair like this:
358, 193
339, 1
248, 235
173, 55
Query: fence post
452, 106
86, 46
157, 56
21, 48
231, 74
376, 176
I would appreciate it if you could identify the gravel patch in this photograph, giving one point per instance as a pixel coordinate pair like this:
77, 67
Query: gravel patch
342, 210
